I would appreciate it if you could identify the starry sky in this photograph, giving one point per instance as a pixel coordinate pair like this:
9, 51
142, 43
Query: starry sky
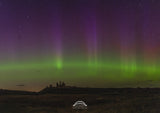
88, 43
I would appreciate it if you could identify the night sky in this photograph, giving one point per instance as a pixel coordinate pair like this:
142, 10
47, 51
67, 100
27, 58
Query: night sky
89, 43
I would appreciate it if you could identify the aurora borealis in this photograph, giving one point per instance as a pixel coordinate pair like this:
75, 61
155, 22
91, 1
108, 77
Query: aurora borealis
90, 43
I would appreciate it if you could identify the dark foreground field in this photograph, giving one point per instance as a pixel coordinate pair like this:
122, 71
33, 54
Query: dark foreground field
137, 101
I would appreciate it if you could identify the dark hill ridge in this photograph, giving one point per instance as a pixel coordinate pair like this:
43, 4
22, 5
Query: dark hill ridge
73, 90
83, 90
15, 92
109, 91
62, 88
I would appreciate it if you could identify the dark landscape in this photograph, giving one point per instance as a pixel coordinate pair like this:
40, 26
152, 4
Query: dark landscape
99, 100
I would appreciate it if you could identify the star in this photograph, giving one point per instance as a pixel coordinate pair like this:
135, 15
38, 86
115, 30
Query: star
28, 17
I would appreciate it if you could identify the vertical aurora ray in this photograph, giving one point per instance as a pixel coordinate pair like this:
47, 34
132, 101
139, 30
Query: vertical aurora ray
127, 46
57, 36
91, 35
149, 40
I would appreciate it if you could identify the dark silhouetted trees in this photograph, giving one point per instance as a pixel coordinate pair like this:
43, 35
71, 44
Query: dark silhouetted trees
60, 84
